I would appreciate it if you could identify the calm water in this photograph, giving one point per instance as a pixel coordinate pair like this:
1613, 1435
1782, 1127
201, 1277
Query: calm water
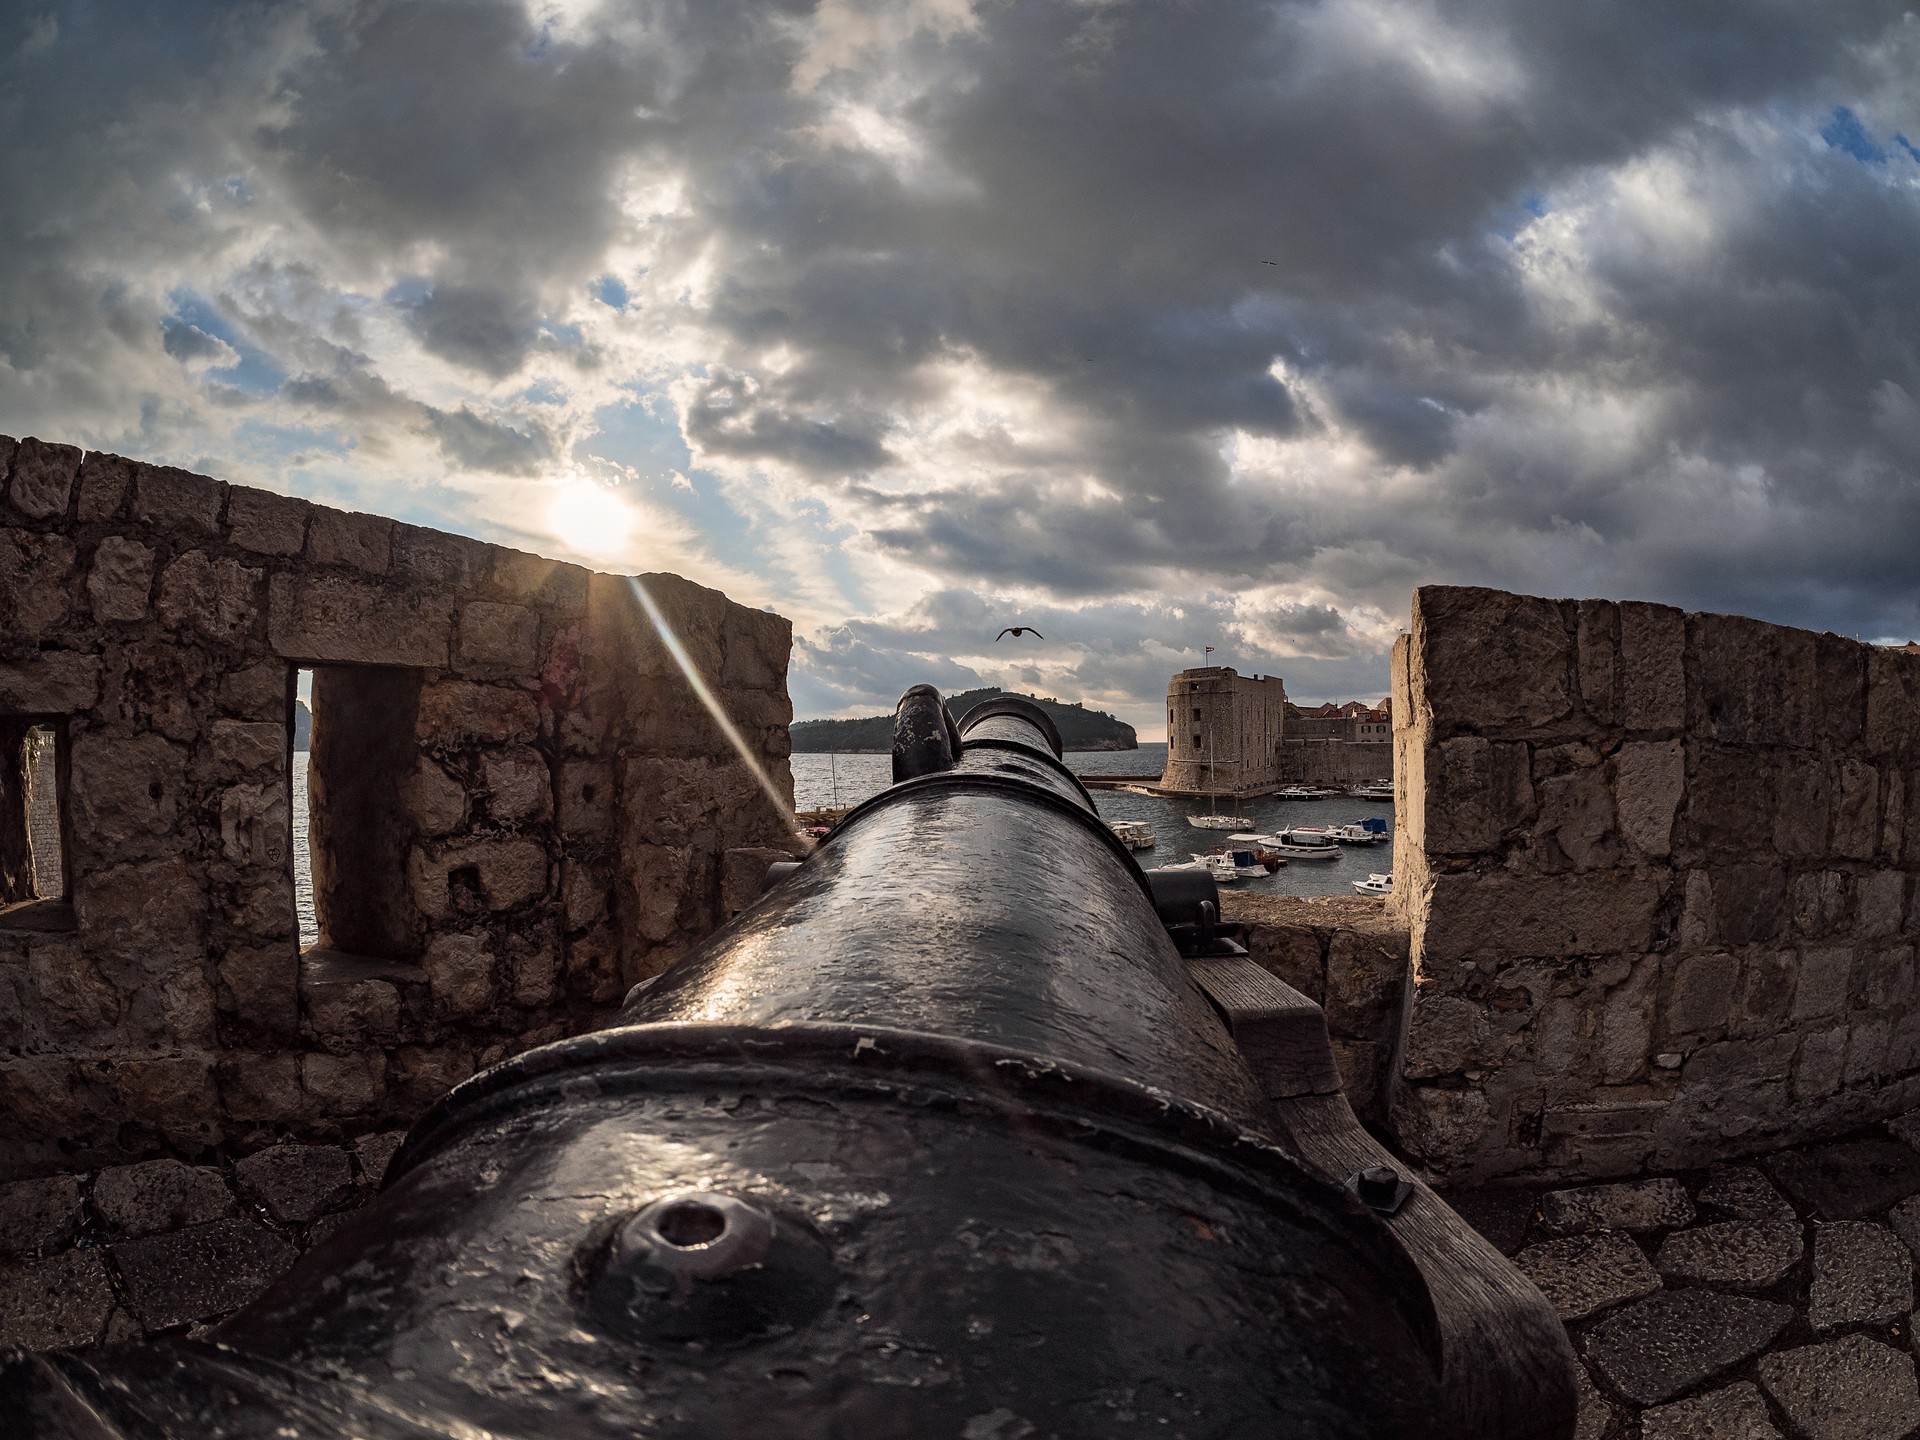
302, 861
819, 779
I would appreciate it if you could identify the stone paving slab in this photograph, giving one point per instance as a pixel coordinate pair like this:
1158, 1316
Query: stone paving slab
1735, 1413
1853, 1388
1595, 1416
201, 1271
1849, 1179
372, 1152
160, 1195
1501, 1216
1635, 1206
1905, 1218
1737, 1254
1585, 1274
1862, 1275
47, 1304
1664, 1346
1742, 1193
37, 1215
297, 1183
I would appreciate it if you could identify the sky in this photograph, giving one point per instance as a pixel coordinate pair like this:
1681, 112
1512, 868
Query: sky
1149, 323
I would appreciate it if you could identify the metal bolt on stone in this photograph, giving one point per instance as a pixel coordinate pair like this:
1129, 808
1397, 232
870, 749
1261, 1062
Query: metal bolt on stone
967, 1125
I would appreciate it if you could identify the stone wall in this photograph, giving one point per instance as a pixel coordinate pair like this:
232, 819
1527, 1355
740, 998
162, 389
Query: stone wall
1349, 956
555, 815
1335, 762
1657, 872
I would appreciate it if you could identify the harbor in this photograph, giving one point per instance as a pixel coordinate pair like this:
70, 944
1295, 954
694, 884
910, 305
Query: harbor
826, 782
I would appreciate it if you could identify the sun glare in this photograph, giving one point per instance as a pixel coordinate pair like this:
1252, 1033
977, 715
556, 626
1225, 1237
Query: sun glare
591, 518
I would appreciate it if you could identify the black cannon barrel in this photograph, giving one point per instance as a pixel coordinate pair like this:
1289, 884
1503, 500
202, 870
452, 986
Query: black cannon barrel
936, 1139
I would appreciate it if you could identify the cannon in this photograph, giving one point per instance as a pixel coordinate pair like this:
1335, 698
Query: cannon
967, 1127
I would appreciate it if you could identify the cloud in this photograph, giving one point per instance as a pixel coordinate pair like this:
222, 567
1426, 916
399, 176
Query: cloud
1168, 325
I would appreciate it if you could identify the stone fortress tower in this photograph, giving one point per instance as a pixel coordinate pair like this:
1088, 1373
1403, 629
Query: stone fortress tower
1224, 732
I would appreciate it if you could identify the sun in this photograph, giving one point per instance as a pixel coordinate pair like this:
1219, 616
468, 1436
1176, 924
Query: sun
591, 518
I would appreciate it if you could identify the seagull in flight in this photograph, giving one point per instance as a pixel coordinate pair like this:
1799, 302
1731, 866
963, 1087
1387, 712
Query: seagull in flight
1017, 631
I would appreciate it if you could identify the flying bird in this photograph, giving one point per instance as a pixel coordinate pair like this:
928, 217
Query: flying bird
1269, 262
1017, 631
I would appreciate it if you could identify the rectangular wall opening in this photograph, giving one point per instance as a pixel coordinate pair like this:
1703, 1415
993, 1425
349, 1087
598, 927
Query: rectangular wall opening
350, 841
33, 820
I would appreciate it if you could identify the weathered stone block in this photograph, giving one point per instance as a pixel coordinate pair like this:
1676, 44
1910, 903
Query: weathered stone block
440, 559
1498, 915
435, 801
1750, 904
1821, 1063
1676, 1340
1635, 1206
265, 523
1734, 1413
1652, 666
126, 787
497, 639
254, 822
339, 537
1732, 1089
1731, 802
160, 1195
373, 1153
1587, 1274
38, 1215
519, 785
1853, 1388
657, 878
1596, 649
259, 989
457, 712
205, 596
157, 908
1881, 900
551, 583
1883, 978
475, 876
534, 971
1862, 1275
1736, 1255
1478, 791
199, 1272
121, 579
1822, 985
1448, 1129
343, 1084
52, 1304
1856, 810
169, 499
1701, 997
242, 747
36, 584
352, 1010
585, 800
1649, 783
332, 617
1752, 683
42, 477
262, 907
1744, 1193
1803, 801
257, 692
460, 971
104, 481
1893, 814
172, 1094
1491, 663
1893, 702
296, 1183
261, 1088
52, 682
68, 999
1822, 904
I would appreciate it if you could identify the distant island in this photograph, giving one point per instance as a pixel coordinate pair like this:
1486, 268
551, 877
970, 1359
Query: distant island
302, 726
1080, 728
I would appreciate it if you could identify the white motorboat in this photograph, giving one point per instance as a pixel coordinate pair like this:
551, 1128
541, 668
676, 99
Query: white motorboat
1217, 822
1306, 844
1297, 792
1373, 790
1134, 834
1375, 885
1355, 833
1244, 864
1222, 868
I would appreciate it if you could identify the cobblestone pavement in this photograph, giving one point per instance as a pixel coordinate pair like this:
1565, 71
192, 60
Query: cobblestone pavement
1748, 1302
1765, 1301
164, 1247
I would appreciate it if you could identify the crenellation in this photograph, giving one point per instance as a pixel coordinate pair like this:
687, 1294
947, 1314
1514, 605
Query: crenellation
481, 716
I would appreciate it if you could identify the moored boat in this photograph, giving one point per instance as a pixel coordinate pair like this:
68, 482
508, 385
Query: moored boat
1308, 843
1134, 834
1375, 885
1358, 832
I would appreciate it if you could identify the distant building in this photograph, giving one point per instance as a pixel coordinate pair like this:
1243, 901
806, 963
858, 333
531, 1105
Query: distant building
1337, 744
1355, 722
1224, 732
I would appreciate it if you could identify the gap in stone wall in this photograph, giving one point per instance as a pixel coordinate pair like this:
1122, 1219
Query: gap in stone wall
40, 760
305, 919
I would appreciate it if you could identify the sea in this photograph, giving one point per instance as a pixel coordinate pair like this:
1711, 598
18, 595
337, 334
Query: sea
822, 781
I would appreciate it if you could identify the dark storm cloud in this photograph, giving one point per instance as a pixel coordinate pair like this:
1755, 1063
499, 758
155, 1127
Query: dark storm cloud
1255, 314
